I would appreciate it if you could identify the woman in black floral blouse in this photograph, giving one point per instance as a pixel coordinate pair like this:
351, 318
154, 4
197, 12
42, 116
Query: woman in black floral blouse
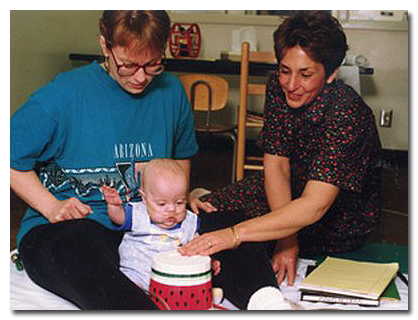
319, 192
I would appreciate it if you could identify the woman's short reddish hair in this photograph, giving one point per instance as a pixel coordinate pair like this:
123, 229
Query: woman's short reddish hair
136, 29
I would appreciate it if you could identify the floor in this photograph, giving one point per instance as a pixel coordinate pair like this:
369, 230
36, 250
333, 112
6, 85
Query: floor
211, 169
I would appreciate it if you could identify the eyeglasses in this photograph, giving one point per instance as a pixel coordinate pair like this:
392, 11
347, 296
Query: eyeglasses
151, 68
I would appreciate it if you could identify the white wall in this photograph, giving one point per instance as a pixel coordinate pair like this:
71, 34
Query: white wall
40, 42
388, 88
385, 48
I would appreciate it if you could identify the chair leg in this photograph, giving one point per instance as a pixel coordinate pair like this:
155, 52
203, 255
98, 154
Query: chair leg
234, 161
234, 157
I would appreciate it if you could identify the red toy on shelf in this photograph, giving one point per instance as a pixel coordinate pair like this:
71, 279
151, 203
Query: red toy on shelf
185, 40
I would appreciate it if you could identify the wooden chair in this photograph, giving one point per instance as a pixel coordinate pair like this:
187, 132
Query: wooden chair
244, 120
209, 94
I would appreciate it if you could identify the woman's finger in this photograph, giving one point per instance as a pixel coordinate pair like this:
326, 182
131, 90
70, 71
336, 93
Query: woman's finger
194, 207
83, 209
208, 207
280, 275
205, 206
291, 276
209, 243
198, 245
70, 209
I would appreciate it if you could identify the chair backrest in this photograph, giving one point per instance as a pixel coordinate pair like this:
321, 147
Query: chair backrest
246, 89
206, 92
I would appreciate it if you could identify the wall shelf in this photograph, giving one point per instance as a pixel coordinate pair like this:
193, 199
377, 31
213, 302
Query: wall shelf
215, 66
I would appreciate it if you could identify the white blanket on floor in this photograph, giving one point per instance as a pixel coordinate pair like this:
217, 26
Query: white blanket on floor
26, 295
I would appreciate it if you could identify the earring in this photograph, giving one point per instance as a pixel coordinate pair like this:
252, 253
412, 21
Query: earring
105, 65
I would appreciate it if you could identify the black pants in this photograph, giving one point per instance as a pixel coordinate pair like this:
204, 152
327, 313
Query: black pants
245, 270
79, 261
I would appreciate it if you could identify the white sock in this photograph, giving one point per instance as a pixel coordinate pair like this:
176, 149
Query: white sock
268, 298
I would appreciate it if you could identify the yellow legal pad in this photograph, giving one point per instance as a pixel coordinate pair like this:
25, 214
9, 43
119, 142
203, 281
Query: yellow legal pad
351, 278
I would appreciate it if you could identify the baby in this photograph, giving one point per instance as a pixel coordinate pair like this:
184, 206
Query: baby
159, 223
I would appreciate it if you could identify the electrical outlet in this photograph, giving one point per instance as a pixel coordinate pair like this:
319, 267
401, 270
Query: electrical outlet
385, 118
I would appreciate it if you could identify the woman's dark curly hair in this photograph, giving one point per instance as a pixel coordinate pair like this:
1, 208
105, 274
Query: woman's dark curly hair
316, 32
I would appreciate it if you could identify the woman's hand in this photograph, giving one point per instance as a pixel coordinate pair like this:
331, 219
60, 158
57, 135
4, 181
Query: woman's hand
284, 260
209, 243
196, 204
68, 209
29, 188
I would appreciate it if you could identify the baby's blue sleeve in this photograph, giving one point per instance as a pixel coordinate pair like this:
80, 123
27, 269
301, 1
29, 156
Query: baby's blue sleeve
127, 224
198, 225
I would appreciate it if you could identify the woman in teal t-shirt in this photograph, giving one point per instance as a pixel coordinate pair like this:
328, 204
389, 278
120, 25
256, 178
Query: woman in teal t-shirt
93, 126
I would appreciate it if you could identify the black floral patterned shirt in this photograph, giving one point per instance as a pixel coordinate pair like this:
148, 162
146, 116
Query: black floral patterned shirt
334, 139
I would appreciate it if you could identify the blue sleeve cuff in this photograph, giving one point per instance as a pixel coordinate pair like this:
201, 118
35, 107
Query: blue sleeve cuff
198, 225
127, 224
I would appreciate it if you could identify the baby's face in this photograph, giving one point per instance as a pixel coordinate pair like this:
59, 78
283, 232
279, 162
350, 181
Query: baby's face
166, 201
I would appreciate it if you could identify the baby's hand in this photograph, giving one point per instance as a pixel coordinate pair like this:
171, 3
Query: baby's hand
111, 196
216, 267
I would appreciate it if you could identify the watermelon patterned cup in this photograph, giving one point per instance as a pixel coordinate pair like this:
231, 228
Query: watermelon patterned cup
181, 283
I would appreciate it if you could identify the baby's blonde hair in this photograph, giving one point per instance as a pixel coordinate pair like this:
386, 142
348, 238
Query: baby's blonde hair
162, 167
